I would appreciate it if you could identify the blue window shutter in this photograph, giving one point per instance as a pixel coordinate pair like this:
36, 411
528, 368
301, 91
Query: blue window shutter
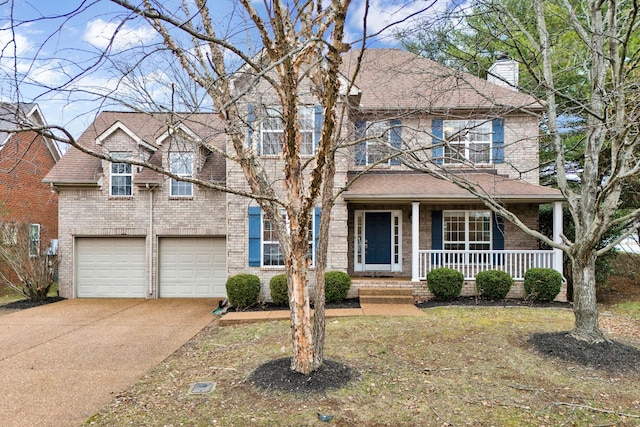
498, 140
255, 225
361, 147
317, 126
316, 230
498, 232
437, 152
395, 138
436, 230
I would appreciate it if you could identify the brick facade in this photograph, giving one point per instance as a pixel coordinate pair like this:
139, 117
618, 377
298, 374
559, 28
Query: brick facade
24, 199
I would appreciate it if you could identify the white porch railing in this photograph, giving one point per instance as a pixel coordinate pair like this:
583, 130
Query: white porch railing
470, 263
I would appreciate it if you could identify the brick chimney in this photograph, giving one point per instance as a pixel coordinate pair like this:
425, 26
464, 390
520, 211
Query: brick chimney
504, 72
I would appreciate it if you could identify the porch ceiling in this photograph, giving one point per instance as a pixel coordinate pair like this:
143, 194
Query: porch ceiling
421, 187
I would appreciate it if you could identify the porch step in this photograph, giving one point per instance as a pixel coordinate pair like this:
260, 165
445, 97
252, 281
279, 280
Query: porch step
386, 296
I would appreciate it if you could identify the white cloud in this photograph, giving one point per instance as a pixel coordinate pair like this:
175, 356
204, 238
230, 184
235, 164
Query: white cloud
100, 34
13, 41
384, 17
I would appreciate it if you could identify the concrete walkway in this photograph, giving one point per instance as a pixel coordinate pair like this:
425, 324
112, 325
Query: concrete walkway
62, 362
235, 318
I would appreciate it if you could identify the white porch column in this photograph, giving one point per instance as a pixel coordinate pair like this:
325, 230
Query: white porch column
415, 241
557, 231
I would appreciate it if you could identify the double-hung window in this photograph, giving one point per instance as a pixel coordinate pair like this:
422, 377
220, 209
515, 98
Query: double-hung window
467, 230
272, 131
34, 239
121, 176
468, 141
379, 141
271, 254
181, 164
264, 247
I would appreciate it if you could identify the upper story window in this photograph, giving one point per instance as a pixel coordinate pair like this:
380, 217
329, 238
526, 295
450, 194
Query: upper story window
181, 164
121, 176
378, 141
271, 130
467, 230
468, 140
473, 141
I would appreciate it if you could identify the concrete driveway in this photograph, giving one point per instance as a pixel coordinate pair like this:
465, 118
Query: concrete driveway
62, 362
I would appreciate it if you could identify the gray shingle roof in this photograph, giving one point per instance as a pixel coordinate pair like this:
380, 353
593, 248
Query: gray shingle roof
78, 168
397, 79
415, 186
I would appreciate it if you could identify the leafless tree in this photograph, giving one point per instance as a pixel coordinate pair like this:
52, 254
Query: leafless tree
26, 269
581, 59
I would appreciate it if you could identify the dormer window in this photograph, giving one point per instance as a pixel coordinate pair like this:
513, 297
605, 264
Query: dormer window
181, 164
121, 176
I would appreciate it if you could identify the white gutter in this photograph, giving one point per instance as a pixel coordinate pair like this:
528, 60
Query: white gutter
150, 239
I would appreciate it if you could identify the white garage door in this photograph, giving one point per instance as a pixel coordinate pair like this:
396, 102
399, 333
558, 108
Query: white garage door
192, 267
110, 267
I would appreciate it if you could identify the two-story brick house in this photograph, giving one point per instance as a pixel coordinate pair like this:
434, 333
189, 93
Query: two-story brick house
125, 231
26, 203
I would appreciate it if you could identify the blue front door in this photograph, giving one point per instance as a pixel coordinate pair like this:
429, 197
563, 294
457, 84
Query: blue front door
377, 226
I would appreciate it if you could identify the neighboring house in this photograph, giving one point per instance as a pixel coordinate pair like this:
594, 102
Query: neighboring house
26, 203
127, 232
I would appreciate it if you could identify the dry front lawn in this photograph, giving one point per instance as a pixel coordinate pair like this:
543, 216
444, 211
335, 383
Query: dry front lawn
455, 366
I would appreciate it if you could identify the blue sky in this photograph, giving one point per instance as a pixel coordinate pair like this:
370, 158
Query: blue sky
52, 42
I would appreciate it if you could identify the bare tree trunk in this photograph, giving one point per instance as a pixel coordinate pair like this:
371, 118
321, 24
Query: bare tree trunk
301, 334
584, 298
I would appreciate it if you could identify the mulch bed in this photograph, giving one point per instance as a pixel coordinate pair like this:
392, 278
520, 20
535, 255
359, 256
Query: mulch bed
269, 306
25, 303
277, 375
611, 356
480, 302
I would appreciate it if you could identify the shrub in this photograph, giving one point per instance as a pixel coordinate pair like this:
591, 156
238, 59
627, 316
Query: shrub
445, 283
279, 289
243, 290
542, 284
493, 284
337, 284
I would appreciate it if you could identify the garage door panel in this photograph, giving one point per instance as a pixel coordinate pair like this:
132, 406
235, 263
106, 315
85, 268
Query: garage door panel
110, 267
192, 267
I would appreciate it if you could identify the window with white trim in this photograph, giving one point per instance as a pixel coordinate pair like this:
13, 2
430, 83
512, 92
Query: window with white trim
121, 176
181, 164
272, 131
467, 230
468, 140
378, 141
271, 253
34, 239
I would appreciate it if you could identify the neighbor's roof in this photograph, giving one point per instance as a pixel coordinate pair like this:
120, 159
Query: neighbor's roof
78, 168
15, 117
421, 187
397, 79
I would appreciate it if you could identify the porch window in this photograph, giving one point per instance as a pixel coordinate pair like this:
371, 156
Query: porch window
121, 175
467, 230
272, 130
181, 164
378, 140
264, 247
468, 140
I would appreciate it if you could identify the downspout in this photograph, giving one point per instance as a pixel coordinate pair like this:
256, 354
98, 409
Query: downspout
150, 239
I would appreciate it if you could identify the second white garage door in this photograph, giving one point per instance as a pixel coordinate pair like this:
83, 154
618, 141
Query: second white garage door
192, 267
